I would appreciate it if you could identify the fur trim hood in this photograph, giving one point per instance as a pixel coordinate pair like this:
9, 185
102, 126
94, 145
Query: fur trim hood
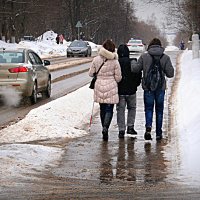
107, 54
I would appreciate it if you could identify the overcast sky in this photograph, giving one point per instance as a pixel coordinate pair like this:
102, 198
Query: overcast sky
145, 11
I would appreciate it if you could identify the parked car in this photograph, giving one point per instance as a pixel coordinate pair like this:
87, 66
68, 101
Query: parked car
79, 48
24, 71
135, 45
28, 38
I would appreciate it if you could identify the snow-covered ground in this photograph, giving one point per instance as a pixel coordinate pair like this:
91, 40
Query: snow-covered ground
57, 119
66, 117
189, 115
69, 116
45, 45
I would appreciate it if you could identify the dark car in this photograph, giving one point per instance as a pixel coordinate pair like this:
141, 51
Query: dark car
79, 48
28, 38
23, 71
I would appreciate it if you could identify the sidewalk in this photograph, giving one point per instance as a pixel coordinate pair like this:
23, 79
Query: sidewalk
119, 169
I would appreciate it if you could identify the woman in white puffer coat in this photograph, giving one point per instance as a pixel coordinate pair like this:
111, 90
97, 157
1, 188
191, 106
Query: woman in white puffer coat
106, 88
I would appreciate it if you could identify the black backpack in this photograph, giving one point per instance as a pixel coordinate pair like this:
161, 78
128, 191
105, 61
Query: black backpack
154, 79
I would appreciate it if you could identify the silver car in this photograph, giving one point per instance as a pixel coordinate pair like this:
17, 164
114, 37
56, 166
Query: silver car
79, 48
23, 71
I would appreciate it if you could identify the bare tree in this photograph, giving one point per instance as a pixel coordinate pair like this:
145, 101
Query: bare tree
100, 19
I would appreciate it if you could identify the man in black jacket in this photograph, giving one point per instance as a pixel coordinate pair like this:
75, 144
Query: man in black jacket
127, 88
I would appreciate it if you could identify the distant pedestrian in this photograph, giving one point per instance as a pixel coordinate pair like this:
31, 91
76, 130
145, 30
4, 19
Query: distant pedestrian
154, 52
106, 89
182, 45
57, 39
61, 38
127, 88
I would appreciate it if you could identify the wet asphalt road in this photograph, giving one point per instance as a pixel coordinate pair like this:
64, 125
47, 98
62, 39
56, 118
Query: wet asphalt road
129, 168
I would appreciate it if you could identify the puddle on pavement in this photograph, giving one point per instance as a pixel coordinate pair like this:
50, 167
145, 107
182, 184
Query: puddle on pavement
132, 160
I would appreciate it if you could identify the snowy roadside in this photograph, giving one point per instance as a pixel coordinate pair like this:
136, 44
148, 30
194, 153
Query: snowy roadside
61, 118
66, 117
188, 114
18, 160
69, 64
183, 148
188, 93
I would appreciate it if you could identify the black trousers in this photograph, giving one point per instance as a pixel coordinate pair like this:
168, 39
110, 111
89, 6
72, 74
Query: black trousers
106, 114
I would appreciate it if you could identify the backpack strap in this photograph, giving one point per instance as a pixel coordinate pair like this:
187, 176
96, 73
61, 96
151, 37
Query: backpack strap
157, 61
154, 59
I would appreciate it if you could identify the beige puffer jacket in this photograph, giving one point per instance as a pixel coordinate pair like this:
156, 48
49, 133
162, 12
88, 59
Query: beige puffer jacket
106, 90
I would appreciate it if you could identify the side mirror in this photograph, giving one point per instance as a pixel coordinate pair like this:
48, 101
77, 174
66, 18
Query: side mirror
46, 62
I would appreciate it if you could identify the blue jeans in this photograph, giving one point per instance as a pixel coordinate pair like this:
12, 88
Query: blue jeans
150, 98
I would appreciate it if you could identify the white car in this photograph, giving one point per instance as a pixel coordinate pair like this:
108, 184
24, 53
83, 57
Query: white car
135, 45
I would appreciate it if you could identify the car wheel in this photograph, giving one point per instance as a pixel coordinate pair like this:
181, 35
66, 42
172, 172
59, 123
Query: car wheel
33, 97
47, 92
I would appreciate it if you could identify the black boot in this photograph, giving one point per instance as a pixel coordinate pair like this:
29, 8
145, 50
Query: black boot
131, 130
107, 120
159, 137
147, 135
105, 133
121, 134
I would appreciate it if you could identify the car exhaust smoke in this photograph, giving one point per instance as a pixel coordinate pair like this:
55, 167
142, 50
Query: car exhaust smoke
10, 96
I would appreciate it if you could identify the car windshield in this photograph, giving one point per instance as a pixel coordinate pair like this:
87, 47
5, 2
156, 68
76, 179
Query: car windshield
78, 44
135, 41
11, 57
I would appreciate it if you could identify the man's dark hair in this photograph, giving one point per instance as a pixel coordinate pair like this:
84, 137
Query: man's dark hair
155, 41
109, 45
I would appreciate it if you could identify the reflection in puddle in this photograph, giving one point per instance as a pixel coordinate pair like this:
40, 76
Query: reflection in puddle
133, 163
106, 168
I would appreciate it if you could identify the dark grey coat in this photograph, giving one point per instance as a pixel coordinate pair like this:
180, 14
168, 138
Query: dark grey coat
145, 60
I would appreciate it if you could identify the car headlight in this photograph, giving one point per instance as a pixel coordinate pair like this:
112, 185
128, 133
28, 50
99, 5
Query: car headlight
69, 50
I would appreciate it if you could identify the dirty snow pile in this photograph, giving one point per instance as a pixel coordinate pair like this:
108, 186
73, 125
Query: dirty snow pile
66, 117
17, 160
45, 45
189, 95
189, 110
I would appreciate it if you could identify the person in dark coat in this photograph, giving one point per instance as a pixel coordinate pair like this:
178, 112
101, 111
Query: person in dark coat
57, 39
182, 45
151, 98
127, 88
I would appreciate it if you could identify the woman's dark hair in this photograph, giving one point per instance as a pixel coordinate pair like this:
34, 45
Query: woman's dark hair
109, 45
155, 41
